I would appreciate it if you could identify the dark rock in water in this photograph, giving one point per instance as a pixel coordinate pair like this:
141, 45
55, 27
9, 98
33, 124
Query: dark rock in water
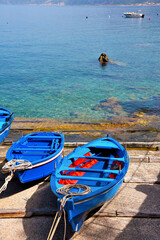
103, 58
149, 106
107, 103
111, 105
74, 114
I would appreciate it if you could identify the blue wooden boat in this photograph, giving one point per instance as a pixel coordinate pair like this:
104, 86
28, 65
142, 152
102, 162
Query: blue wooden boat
6, 118
41, 150
100, 165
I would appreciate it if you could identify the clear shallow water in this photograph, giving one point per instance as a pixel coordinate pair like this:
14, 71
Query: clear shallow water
49, 61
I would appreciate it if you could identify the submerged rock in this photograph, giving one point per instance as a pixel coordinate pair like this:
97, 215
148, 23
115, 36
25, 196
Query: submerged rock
107, 103
111, 105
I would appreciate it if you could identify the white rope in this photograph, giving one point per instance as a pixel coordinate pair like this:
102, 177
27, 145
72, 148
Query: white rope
65, 190
12, 166
51, 232
16, 164
7, 180
65, 225
57, 219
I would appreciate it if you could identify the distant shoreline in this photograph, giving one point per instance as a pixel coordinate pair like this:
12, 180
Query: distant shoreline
64, 5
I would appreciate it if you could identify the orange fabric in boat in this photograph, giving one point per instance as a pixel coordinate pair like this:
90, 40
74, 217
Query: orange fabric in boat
79, 161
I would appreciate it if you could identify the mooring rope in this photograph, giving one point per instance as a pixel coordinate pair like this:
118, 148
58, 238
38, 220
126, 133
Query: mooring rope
7, 180
68, 194
12, 166
65, 190
16, 164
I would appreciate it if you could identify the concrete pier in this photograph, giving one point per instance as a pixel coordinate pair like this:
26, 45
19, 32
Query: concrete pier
27, 210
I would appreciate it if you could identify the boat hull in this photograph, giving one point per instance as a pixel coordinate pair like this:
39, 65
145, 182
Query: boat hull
4, 134
78, 215
80, 209
134, 15
39, 171
102, 169
6, 119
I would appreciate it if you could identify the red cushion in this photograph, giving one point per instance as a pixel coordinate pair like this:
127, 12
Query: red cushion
79, 161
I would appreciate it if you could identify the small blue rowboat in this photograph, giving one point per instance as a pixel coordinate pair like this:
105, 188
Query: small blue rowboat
6, 118
88, 177
42, 151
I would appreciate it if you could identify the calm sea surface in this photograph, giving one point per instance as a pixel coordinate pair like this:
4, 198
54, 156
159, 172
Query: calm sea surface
49, 61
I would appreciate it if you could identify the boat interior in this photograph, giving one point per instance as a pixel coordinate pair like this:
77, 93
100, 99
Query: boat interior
97, 167
36, 147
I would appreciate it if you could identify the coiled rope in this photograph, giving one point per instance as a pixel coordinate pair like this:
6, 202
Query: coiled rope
68, 194
65, 190
12, 166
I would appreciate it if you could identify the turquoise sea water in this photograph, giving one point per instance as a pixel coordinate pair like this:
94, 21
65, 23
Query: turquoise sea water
49, 61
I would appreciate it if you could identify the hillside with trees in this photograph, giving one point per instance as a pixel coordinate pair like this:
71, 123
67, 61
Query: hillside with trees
81, 2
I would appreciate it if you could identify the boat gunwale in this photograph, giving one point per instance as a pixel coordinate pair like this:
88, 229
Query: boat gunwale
98, 194
38, 162
5, 129
46, 161
101, 189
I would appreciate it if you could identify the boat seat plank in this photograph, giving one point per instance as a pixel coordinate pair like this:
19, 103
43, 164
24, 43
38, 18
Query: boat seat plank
55, 143
44, 137
32, 149
33, 153
36, 147
4, 114
52, 145
90, 170
84, 178
110, 163
101, 158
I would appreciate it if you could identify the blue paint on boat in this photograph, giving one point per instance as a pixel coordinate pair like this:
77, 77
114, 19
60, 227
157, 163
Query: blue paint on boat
6, 119
104, 176
43, 150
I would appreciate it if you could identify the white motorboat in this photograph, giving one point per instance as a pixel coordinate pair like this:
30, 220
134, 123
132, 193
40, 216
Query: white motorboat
134, 15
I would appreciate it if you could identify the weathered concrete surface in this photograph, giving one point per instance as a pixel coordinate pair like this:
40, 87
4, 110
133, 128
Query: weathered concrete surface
31, 229
27, 210
143, 172
3, 151
26, 197
95, 228
131, 200
119, 229
134, 155
34, 195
